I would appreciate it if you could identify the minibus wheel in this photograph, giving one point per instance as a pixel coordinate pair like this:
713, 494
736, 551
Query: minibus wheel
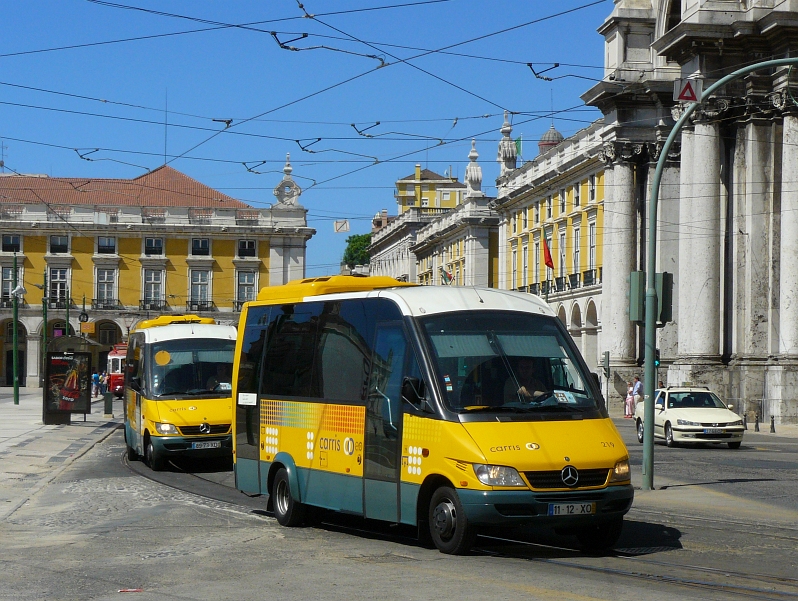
131, 452
600, 537
448, 524
287, 510
152, 457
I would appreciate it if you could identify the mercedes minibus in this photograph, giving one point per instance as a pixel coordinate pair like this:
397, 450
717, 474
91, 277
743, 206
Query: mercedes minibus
447, 408
178, 386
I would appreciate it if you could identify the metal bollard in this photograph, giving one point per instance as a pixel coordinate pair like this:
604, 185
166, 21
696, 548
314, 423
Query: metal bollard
756, 423
108, 398
745, 421
772, 424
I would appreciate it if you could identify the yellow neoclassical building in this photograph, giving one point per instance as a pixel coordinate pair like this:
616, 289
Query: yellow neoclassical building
109, 252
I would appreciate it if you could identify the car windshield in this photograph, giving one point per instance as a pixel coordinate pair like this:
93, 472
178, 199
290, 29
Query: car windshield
489, 361
694, 400
195, 367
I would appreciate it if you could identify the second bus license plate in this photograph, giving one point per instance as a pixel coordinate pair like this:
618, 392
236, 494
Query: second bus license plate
211, 444
572, 508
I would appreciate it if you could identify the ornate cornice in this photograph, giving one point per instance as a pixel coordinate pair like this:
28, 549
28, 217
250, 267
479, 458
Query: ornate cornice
621, 151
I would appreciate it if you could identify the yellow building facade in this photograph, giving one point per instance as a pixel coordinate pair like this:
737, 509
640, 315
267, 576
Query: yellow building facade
426, 189
104, 254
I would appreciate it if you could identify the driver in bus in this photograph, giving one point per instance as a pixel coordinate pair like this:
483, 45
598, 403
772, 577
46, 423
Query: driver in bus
222, 380
525, 385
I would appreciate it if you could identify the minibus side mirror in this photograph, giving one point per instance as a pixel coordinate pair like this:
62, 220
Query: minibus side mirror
595, 377
413, 393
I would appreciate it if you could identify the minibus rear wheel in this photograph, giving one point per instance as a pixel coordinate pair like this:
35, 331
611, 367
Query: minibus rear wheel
287, 510
131, 452
448, 524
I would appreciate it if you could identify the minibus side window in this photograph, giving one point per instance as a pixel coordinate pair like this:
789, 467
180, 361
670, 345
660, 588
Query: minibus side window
343, 359
288, 369
249, 368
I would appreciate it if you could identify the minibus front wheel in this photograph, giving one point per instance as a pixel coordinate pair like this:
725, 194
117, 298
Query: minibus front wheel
152, 457
448, 524
287, 510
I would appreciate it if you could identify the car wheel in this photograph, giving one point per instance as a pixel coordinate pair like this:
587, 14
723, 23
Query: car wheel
669, 436
601, 536
640, 430
152, 457
448, 524
735, 445
287, 510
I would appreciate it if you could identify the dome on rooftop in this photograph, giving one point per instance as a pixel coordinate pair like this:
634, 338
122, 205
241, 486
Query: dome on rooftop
549, 140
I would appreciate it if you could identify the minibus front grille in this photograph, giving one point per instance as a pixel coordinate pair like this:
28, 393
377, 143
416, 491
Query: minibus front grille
195, 430
553, 479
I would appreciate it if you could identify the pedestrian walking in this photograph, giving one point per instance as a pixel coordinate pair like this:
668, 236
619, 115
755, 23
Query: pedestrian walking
629, 405
637, 390
95, 383
103, 383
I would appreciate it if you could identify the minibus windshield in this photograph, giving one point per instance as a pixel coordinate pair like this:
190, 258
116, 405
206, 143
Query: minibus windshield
506, 362
195, 367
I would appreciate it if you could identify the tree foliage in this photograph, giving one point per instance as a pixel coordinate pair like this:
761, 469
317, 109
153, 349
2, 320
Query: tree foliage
356, 252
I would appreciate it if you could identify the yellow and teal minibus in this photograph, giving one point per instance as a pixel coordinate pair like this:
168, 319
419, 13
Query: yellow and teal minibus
446, 408
178, 389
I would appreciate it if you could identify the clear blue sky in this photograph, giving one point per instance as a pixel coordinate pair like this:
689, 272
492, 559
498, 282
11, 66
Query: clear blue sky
114, 96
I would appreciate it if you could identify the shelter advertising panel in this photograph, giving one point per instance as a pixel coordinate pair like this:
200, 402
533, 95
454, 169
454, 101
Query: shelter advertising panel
68, 382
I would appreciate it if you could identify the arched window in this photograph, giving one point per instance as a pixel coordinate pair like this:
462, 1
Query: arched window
674, 14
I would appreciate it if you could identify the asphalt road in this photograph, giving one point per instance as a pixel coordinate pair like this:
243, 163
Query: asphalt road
722, 524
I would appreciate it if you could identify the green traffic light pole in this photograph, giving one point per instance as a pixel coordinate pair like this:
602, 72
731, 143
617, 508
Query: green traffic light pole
649, 373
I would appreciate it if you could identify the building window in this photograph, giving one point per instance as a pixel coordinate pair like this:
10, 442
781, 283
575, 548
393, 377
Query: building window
200, 285
153, 285
246, 286
425, 202
536, 264
561, 266
200, 246
524, 266
11, 244
525, 217
425, 187
515, 270
59, 329
105, 285
58, 288
446, 195
537, 212
246, 248
577, 200
562, 201
548, 207
591, 243
8, 285
108, 334
591, 188
59, 245
548, 243
153, 246
106, 246
577, 232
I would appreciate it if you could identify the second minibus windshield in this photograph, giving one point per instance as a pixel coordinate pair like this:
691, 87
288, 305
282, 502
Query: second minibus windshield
503, 361
192, 367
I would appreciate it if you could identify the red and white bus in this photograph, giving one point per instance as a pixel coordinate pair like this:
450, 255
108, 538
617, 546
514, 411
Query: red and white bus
116, 368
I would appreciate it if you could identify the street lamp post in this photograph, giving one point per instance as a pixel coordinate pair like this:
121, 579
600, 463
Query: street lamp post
45, 300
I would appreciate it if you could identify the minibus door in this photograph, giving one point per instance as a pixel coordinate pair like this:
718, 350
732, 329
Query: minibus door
383, 433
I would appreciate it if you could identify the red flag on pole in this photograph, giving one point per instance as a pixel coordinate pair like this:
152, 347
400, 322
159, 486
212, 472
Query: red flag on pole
547, 255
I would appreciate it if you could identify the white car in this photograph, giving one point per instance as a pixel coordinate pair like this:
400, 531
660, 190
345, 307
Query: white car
692, 416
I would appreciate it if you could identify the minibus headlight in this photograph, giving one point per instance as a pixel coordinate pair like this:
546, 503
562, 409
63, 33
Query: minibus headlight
497, 475
687, 422
165, 428
620, 472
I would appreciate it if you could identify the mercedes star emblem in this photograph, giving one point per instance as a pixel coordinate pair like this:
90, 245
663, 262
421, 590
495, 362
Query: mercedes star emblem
205, 428
570, 476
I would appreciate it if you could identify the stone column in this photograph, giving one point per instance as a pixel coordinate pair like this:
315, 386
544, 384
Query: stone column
683, 293
699, 291
788, 293
620, 229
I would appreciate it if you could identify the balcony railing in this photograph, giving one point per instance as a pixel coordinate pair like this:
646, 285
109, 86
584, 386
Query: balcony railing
573, 280
589, 277
58, 303
535, 288
105, 303
199, 305
7, 302
239, 304
559, 283
150, 304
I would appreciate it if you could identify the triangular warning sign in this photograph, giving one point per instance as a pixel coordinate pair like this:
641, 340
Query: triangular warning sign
687, 93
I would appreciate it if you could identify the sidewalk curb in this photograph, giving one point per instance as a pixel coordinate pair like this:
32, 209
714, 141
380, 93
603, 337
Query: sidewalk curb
59, 470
